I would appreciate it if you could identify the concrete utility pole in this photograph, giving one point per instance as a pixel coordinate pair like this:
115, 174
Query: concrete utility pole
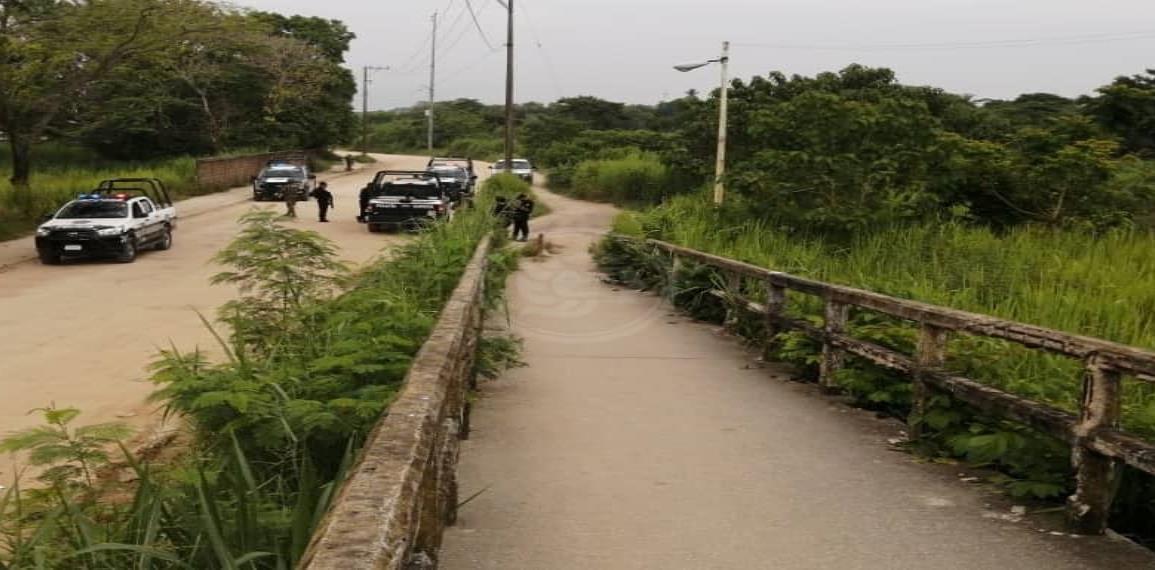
365, 105
509, 90
723, 115
432, 81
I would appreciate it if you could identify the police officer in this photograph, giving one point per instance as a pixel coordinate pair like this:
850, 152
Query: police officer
324, 200
522, 209
363, 201
290, 202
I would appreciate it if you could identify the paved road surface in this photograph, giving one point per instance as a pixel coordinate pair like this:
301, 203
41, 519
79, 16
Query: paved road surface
635, 440
82, 334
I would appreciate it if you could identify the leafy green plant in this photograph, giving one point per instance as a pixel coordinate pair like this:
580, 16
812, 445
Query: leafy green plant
67, 452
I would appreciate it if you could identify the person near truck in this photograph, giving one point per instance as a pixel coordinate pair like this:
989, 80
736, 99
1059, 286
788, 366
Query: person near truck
363, 201
522, 210
324, 201
290, 203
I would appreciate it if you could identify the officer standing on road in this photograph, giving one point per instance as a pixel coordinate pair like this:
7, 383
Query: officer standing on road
290, 203
324, 200
363, 201
522, 209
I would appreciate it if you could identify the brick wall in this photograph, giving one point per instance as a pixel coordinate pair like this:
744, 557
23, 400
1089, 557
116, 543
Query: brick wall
237, 170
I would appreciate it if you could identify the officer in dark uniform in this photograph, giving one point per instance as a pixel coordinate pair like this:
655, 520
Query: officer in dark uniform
324, 200
522, 209
363, 201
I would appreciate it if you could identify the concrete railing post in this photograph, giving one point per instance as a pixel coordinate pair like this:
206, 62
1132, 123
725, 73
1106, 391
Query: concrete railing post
833, 357
1096, 476
931, 356
733, 298
775, 310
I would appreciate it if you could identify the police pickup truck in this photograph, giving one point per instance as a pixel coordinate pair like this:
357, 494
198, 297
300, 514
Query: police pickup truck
466, 163
117, 220
280, 177
406, 200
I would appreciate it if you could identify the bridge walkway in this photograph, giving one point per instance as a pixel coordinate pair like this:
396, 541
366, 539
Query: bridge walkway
635, 439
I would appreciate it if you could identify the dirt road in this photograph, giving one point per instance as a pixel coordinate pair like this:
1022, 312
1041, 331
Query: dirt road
635, 439
82, 334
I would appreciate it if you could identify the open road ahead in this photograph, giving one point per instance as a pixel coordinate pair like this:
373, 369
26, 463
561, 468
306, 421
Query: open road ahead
82, 334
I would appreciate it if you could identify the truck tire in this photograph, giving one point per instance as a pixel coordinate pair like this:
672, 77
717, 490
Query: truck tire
49, 257
128, 254
165, 242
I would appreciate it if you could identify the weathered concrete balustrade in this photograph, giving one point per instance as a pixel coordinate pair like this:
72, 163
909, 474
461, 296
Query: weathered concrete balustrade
1099, 446
402, 493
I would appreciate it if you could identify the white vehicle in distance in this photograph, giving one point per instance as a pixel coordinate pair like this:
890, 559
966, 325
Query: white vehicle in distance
117, 220
521, 168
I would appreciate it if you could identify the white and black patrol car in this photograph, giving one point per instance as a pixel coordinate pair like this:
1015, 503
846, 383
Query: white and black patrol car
117, 220
406, 200
279, 178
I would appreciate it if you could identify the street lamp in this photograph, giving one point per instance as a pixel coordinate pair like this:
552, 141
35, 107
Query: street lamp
720, 165
365, 105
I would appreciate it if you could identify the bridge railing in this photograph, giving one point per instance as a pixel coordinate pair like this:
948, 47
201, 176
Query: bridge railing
1099, 445
393, 508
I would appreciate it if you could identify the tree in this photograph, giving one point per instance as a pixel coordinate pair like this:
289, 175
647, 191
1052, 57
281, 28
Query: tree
330, 37
52, 52
1126, 108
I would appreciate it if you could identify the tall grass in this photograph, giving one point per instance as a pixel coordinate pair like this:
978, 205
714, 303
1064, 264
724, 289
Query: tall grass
633, 179
1095, 285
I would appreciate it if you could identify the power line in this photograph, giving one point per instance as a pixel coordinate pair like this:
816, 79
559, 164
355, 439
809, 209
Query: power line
542, 52
462, 35
991, 44
477, 24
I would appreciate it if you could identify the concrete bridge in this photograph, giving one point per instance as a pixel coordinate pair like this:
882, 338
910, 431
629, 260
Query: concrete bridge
637, 439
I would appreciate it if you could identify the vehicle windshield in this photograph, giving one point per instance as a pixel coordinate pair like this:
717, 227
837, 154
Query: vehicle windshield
282, 172
413, 190
93, 209
450, 172
517, 165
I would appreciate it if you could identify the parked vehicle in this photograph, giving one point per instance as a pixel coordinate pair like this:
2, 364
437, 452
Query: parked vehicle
521, 168
454, 179
282, 176
464, 163
401, 199
117, 220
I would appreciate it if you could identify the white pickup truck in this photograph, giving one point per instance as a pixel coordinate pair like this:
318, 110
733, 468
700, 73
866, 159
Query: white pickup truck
117, 220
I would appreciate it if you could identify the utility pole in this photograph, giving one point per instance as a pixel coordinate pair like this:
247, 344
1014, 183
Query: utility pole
720, 164
509, 90
432, 80
365, 105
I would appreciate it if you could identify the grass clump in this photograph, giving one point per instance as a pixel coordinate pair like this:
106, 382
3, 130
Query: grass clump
633, 179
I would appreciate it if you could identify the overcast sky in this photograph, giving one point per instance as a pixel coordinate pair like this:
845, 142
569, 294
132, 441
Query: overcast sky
623, 49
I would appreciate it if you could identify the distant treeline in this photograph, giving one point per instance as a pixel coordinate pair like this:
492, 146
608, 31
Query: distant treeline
838, 151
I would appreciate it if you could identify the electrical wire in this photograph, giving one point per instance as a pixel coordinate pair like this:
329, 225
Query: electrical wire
542, 52
477, 24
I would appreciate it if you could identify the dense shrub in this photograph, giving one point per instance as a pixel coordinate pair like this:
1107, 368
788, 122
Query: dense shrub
637, 178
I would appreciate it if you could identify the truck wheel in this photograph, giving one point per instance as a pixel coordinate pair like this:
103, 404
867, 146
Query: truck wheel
165, 242
128, 254
373, 228
49, 257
